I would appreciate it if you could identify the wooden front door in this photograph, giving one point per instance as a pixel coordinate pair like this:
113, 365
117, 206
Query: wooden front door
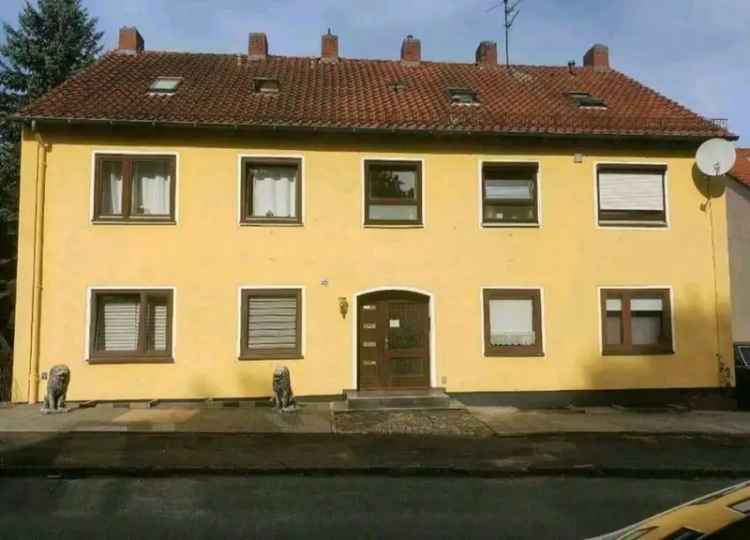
393, 338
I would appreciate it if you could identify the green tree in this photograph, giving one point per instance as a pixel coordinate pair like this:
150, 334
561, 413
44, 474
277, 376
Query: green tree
53, 40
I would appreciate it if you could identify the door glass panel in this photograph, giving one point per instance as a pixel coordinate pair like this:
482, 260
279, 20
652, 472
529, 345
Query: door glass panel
404, 336
406, 366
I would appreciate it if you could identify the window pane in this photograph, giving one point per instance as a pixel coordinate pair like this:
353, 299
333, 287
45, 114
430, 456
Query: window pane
511, 322
272, 323
613, 322
158, 319
393, 213
614, 328
646, 316
509, 189
497, 212
151, 187
646, 304
118, 323
646, 327
393, 184
111, 203
274, 192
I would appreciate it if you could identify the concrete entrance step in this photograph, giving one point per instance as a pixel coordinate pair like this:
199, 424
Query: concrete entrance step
431, 398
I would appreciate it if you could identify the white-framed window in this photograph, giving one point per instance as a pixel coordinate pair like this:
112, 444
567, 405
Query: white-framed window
631, 195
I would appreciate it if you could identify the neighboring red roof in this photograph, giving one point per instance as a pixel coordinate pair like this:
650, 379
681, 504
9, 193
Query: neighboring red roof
741, 169
357, 94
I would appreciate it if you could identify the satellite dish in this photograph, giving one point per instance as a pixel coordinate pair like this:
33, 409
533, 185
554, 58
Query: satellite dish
715, 157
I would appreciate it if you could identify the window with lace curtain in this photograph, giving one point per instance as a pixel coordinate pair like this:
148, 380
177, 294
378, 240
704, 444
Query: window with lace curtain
134, 188
271, 191
512, 322
131, 326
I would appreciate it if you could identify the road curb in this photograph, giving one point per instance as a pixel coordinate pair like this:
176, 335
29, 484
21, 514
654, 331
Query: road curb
575, 471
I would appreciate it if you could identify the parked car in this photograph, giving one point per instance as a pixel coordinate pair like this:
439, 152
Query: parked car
742, 374
721, 515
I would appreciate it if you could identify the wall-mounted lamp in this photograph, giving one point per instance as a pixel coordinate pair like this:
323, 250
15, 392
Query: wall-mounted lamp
343, 306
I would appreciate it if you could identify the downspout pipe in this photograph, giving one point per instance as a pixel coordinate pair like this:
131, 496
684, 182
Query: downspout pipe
36, 302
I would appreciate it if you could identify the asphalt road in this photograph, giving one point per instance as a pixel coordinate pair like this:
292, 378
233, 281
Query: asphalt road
227, 507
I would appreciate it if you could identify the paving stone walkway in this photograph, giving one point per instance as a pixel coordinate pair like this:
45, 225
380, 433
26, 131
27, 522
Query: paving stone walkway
438, 422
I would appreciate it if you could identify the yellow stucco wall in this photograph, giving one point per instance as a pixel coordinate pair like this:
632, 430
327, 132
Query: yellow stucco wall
207, 256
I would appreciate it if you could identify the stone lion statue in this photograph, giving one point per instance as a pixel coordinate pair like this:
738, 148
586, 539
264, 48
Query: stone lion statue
283, 398
57, 390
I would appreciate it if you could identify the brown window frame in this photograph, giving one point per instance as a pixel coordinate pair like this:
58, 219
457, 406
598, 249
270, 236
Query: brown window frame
632, 218
142, 355
626, 348
517, 168
270, 354
246, 191
394, 164
127, 216
535, 295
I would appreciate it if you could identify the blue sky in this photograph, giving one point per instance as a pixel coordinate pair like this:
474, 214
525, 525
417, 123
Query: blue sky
697, 52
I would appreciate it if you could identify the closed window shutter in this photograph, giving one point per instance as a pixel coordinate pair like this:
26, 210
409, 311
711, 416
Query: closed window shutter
272, 323
119, 324
509, 189
641, 190
158, 317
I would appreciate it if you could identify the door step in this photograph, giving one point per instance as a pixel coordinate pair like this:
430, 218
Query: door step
431, 398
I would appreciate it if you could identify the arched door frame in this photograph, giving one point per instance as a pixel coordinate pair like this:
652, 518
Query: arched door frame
355, 322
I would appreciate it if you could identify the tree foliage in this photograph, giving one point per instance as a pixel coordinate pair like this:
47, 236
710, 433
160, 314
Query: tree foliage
53, 40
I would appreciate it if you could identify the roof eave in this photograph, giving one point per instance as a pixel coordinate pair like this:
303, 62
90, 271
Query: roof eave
30, 119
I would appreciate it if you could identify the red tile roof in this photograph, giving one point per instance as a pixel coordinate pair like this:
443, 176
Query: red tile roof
358, 94
741, 169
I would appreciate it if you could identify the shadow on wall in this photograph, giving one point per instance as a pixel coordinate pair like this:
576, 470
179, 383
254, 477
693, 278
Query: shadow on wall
709, 187
692, 323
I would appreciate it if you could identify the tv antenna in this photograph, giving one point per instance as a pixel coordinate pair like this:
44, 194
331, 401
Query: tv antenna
510, 10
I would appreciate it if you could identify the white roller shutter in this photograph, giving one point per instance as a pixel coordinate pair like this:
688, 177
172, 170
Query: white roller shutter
272, 323
121, 322
631, 190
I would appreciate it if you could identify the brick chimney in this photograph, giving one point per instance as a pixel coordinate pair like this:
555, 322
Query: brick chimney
258, 46
329, 47
487, 53
597, 57
131, 41
411, 50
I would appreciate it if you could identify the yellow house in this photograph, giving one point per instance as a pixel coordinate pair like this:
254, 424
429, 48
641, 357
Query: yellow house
190, 222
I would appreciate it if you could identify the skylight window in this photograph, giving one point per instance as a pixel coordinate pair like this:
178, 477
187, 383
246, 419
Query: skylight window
266, 85
586, 100
397, 86
463, 96
165, 85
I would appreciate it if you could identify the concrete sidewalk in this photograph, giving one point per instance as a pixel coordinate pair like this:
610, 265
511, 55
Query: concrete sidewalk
184, 439
321, 418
